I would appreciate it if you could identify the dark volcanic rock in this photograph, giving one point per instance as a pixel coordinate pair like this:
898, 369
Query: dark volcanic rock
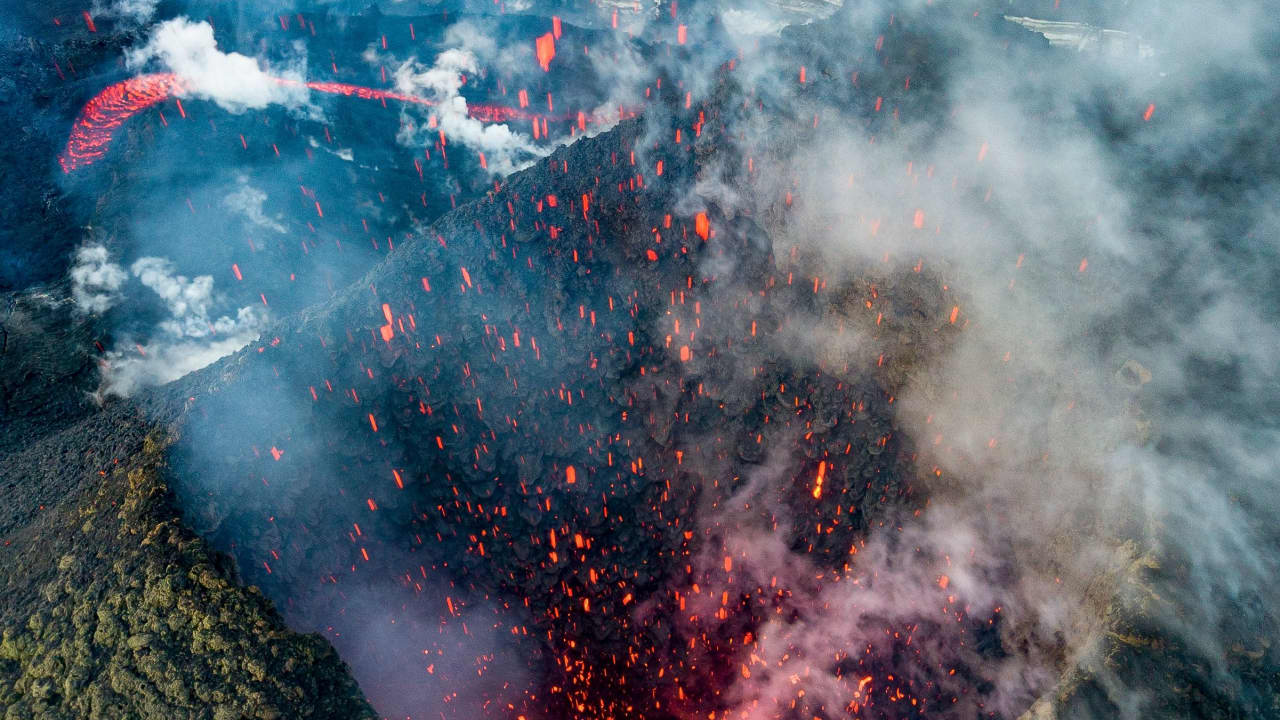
536, 398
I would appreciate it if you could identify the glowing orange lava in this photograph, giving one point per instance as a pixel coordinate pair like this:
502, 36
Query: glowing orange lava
107, 111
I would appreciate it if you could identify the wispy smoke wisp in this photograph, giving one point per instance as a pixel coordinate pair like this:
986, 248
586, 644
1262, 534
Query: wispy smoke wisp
248, 200
135, 12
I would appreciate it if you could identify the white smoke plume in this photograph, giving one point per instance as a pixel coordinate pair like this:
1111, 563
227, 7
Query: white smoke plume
505, 150
162, 361
189, 339
234, 81
95, 280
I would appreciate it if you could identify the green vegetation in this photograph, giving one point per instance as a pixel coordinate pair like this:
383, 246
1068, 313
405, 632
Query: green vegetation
142, 620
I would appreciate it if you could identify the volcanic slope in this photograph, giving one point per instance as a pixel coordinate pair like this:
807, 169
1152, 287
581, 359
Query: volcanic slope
113, 608
109, 607
550, 414
540, 425
538, 405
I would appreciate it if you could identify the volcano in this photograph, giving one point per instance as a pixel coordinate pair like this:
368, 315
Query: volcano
774, 381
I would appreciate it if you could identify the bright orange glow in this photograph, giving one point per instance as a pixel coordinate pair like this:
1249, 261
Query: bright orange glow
546, 49
702, 226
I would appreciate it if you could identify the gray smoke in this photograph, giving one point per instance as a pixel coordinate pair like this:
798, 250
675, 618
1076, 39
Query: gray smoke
1107, 410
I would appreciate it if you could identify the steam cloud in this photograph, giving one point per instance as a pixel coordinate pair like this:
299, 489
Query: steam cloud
505, 150
95, 280
189, 339
168, 359
235, 82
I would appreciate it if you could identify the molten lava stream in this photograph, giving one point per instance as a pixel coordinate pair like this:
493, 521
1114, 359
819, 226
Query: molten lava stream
98, 120
107, 111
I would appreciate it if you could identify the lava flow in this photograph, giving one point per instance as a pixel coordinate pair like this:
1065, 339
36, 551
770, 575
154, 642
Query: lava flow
99, 119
